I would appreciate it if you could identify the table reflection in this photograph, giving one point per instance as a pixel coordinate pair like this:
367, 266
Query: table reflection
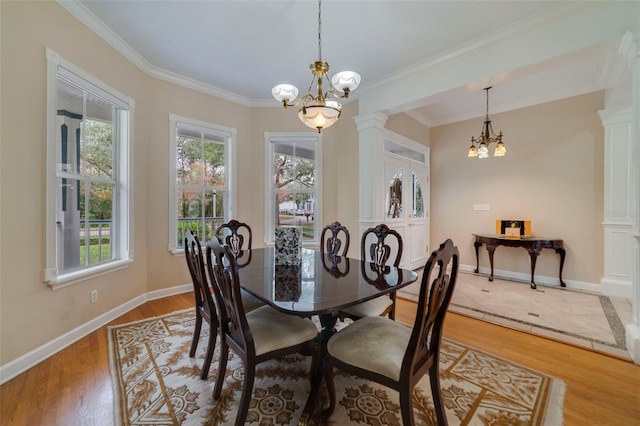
317, 284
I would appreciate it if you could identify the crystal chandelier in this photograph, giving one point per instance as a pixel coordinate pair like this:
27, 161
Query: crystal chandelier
319, 111
487, 137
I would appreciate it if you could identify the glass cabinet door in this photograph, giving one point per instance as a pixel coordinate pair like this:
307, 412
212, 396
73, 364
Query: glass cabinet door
394, 196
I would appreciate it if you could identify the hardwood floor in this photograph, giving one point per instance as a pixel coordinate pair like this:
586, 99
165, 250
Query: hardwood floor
73, 387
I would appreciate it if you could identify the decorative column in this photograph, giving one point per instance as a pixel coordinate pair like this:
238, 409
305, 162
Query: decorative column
371, 170
617, 202
630, 48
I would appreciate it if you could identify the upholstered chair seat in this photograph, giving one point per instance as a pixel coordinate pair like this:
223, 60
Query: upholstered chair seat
273, 330
374, 307
372, 343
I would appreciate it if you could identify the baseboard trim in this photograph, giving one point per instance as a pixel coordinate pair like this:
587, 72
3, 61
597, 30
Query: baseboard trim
616, 288
19, 365
544, 280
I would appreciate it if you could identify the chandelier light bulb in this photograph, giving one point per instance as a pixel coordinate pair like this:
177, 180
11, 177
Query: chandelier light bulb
346, 81
285, 92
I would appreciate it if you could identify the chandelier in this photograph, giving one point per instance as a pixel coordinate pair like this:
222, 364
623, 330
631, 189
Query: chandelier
487, 137
319, 111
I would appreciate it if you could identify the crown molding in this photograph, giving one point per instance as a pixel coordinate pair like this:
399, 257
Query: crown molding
85, 16
543, 18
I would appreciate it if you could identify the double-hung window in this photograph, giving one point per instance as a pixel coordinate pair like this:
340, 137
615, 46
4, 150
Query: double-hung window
88, 188
293, 191
201, 178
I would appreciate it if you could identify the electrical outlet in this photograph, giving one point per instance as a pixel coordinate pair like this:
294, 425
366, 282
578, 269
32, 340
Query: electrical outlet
94, 295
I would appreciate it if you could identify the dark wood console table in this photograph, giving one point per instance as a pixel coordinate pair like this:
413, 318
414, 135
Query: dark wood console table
533, 245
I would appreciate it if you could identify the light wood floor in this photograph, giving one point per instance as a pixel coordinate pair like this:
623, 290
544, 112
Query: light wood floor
73, 387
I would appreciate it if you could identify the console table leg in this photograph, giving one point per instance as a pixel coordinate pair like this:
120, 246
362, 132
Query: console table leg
477, 246
533, 257
561, 251
491, 250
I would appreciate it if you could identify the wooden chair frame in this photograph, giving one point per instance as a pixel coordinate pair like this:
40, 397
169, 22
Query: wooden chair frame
423, 350
204, 303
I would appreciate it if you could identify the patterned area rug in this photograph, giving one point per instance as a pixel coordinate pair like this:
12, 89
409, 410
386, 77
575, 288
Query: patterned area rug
156, 383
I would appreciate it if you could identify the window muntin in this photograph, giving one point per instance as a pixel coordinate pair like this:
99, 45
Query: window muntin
87, 225
201, 181
293, 194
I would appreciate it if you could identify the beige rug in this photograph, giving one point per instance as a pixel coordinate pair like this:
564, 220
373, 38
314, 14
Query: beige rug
575, 317
156, 383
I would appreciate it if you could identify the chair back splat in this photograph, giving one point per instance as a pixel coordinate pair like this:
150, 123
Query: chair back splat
238, 236
336, 244
379, 251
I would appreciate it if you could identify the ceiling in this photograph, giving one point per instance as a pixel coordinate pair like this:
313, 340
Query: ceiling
240, 49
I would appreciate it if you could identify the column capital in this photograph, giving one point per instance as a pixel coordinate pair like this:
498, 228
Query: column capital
630, 47
375, 120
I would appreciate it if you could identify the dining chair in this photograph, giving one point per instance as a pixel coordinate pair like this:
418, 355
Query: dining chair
380, 246
235, 234
334, 239
393, 354
205, 306
204, 301
257, 336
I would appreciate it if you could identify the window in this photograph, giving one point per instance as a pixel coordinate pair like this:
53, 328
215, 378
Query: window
87, 220
293, 191
201, 179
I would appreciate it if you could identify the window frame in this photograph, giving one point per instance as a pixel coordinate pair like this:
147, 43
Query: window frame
123, 198
229, 136
270, 139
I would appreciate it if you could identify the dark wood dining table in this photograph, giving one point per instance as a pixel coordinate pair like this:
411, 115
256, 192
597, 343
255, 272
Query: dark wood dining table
320, 285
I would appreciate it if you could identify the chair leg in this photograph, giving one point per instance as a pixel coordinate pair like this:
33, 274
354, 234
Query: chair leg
222, 368
406, 407
196, 334
247, 391
434, 378
213, 333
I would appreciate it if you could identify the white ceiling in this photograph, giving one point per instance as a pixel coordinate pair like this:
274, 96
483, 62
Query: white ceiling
240, 49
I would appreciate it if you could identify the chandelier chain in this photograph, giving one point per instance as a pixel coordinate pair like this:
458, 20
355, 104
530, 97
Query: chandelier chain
320, 30
487, 113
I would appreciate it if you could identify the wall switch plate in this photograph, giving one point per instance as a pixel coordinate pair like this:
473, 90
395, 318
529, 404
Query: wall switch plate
481, 206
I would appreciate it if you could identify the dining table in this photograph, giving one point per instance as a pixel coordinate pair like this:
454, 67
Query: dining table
322, 285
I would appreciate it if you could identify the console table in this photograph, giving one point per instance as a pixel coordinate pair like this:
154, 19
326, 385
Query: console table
533, 245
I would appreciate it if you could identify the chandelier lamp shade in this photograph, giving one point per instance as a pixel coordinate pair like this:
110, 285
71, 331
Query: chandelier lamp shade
319, 109
486, 138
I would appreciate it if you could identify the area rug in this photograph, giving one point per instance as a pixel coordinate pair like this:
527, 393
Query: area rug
157, 383
579, 318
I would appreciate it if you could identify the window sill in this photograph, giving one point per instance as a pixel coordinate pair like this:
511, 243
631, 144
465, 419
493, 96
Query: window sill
65, 280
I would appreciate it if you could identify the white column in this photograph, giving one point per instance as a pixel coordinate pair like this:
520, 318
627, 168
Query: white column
371, 170
630, 48
617, 202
